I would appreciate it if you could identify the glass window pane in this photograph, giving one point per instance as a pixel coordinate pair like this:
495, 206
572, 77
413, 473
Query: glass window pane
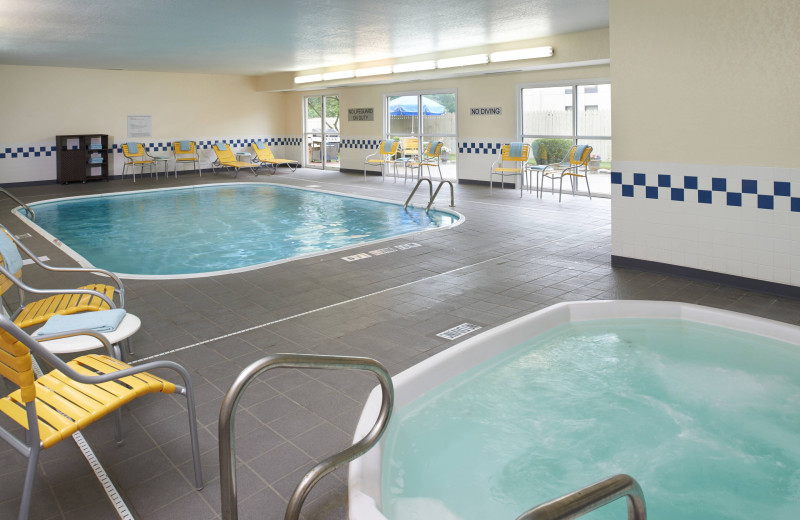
439, 114
547, 111
403, 115
594, 110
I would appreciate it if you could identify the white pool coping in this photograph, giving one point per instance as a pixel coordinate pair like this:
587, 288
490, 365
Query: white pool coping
364, 482
83, 262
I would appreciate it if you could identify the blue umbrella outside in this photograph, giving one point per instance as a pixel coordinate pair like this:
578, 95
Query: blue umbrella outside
407, 106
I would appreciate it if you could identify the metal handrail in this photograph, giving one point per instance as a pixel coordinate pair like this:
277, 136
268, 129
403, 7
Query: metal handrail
431, 194
227, 450
582, 501
28, 210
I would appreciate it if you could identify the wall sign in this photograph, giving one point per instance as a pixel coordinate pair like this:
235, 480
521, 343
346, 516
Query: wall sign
487, 111
140, 126
360, 114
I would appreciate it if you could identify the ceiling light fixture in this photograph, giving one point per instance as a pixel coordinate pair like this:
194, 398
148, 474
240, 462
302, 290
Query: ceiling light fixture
522, 54
414, 66
308, 79
461, 61
373, 71
342, 74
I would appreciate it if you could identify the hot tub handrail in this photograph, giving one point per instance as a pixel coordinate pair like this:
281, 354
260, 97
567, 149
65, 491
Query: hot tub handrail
585, 500
227, 449
28, 210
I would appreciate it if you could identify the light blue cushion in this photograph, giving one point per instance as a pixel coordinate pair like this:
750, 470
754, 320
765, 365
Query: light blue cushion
185, 146
576, 157
515, 149
222, 147
12, 260
100, 321
260, 145
133, 148
432, 149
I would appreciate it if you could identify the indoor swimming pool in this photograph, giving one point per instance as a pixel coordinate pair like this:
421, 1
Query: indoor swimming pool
220, 228
699, 405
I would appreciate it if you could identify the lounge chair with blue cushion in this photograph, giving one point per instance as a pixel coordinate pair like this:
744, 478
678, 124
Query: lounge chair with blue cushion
383, 157
432, 156
225, 157
93, 297
512, 163
186, 152
570, 167
265, 156
136, 155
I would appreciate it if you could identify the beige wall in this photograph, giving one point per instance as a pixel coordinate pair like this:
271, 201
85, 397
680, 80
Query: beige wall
48, 101
706, 82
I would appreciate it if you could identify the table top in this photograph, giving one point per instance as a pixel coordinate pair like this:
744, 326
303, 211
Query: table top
126, 328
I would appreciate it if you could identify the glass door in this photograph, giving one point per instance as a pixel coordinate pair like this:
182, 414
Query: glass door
321, 132
419, 119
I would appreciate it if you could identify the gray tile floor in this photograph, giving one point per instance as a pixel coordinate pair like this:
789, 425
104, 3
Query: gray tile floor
511, 257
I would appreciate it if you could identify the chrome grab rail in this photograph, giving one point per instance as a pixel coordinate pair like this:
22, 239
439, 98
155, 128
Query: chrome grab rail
582, 501
431, 194
227, 449
28, 210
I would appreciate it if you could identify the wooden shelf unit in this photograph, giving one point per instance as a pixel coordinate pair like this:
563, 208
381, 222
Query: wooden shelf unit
81, 157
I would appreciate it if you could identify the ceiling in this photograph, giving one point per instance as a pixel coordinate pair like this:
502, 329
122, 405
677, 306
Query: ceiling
260, 37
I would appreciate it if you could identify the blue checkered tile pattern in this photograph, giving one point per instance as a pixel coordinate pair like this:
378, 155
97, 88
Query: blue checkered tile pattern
16, 152
479, 148
364, 144
687, 188
27, 151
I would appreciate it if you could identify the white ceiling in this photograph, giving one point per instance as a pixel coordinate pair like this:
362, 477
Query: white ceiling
258, 37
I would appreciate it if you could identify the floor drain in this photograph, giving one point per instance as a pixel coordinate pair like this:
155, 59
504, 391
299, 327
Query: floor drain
458, 331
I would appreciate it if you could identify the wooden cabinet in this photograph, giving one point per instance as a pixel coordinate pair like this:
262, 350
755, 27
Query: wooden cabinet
81, 157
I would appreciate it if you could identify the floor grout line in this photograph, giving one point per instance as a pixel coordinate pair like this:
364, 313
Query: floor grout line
358, 298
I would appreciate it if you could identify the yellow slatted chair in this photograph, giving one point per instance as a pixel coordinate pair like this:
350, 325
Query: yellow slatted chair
383, 157
73, 396
430, 157
92, 297
186, 152
570, 167
265, 156
512, 163
225, 157
136, 155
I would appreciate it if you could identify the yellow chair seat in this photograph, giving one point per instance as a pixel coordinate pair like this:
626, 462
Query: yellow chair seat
236, 164
508, 170
65, 406
378, 161
42, 310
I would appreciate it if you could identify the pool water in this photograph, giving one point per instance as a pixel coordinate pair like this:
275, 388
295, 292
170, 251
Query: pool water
223, 227
706, 419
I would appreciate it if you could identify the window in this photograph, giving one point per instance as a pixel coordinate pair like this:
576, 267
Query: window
563, 116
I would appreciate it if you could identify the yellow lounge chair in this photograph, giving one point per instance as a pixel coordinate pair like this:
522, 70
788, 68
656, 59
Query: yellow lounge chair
384, 156
225, 157
93, 297
136, 155
265, 156
73, 396
515, 153
570, 167
186, 152
430, 157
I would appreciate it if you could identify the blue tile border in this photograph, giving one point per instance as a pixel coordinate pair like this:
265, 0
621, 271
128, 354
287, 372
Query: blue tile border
761, 194
17, 152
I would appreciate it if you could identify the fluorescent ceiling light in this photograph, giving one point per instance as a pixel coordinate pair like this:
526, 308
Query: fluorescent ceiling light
308, 79
522, 54
373, 71
415, 66
475, 59
342, 74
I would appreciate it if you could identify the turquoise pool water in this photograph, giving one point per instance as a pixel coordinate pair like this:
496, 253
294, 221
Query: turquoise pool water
221, 227
706, 419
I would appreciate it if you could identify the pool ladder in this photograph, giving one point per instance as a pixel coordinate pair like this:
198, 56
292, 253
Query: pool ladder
28, 210
227, 449
585, 500
431, 194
